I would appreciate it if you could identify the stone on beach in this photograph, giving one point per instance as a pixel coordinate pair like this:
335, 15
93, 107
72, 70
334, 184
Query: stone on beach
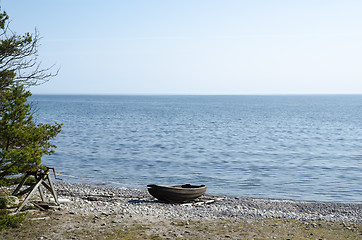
92, 199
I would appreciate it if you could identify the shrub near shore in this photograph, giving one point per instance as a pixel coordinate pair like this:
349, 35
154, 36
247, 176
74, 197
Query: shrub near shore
6, 220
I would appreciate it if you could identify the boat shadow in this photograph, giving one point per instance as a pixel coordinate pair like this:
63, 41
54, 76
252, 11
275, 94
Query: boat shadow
199, 201
138, 201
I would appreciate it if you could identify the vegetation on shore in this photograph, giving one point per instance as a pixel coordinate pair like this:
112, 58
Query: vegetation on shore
7, 220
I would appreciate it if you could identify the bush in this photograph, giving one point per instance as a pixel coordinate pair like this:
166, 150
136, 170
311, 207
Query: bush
6, 220
12, 221
3, 203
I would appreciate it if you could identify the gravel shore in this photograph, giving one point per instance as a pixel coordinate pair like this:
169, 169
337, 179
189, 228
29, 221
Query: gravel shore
100, 212
87, 198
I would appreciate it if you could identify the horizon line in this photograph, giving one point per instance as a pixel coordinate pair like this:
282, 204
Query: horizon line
192, 94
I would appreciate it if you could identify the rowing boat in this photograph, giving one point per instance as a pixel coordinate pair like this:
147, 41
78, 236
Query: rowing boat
178, 193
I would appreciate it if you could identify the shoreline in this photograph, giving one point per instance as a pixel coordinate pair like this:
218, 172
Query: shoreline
103, 212
109, 184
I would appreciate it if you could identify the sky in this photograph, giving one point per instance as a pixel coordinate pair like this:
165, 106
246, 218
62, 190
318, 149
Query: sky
196, 46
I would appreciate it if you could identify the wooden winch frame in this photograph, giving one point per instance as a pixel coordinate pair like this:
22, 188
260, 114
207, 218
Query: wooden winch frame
42, 177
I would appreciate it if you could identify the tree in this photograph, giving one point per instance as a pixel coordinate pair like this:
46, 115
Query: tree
22, 141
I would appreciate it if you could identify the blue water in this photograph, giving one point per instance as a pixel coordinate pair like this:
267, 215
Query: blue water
294, 147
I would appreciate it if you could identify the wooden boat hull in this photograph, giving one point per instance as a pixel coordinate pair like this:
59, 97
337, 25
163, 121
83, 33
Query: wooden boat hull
179, 193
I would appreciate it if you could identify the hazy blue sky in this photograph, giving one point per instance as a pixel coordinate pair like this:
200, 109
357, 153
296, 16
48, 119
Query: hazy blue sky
196, 47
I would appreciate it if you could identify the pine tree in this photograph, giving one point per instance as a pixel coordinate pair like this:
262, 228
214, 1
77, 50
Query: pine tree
22, 141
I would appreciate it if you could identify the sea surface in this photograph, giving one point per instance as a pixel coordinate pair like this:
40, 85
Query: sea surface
303, 147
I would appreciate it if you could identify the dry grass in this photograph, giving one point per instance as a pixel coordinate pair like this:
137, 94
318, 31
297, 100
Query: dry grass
58, 225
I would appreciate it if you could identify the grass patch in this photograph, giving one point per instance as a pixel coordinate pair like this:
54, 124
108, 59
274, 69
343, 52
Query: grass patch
10, 221
6, 220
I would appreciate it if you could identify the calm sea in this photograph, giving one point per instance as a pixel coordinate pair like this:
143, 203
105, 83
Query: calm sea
295, 147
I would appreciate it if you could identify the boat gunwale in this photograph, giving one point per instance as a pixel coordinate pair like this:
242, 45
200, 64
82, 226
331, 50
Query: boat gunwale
189, 186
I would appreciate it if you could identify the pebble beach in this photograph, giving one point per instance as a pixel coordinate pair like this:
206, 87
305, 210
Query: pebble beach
101, 212
86, 198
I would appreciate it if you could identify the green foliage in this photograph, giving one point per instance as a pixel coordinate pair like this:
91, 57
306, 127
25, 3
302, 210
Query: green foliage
15, 180
22, 141
3, 203
10, 221
3, 19
7, 220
